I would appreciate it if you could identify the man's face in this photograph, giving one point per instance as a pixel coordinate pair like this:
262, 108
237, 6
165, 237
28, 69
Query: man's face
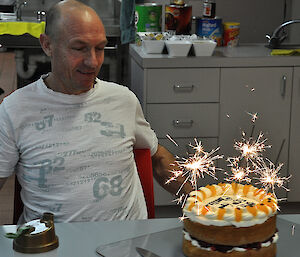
77, 53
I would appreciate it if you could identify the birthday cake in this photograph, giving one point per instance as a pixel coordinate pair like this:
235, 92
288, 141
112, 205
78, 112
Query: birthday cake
231, 220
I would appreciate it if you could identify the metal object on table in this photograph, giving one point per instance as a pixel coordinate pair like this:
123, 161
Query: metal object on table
38, 239
145, 253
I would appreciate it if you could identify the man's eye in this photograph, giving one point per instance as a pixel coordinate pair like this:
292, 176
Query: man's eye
100, 48
78, 48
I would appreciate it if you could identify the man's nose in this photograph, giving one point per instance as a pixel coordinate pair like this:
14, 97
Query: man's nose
91, 59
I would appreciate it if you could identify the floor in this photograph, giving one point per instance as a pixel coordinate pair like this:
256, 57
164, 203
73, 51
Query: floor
174, 211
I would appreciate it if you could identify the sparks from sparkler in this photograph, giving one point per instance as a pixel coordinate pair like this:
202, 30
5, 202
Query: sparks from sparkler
252, 89
250, 148
198, 165
269, 176
238, 173
254, 116
171, 139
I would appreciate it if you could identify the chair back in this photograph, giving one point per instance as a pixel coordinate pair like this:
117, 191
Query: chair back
144, 166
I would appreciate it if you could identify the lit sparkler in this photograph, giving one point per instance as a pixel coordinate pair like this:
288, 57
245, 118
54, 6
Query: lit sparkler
251, 148
238, 173
196, 166
269, 176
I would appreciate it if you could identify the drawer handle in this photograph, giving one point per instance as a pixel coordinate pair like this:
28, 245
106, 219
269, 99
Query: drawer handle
283, 86
182, 123
185, 88
1, 91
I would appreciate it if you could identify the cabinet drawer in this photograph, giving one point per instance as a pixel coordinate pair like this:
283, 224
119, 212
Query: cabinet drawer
184, 120
183, 85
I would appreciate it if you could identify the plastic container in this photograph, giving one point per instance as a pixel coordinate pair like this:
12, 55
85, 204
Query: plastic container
231, 33
153, 46
148, 17
204, 47
178, 19
178, 48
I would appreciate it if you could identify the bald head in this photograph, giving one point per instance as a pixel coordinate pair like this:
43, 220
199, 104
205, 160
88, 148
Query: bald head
61, 12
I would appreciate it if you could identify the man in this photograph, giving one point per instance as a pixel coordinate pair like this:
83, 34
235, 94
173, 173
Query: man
70, 137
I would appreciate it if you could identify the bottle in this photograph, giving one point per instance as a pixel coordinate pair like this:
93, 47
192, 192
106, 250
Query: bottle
209, 9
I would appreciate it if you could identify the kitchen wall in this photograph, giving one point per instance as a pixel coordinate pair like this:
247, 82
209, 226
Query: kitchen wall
295, 28
257, 17
105, 8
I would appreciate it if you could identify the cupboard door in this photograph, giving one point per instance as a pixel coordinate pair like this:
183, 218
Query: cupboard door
266, 91
294, 160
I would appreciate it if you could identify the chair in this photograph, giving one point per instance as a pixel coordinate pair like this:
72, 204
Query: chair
144, 167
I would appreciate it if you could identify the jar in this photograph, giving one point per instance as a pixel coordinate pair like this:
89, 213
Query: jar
209, 9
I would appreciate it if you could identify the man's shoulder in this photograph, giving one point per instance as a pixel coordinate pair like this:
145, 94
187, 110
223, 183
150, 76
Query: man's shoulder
116, 89
23, 92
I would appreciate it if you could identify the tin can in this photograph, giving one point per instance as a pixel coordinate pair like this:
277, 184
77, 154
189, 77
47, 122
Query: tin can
231, 33
210, 28
178, 19
148, 17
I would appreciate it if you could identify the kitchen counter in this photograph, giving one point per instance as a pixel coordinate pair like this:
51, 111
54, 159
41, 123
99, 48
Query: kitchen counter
162, 236
252, 55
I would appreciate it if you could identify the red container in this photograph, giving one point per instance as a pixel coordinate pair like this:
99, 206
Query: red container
231, 33
178, 19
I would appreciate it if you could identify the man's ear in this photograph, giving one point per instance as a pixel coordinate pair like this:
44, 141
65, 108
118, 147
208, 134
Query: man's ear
46, 44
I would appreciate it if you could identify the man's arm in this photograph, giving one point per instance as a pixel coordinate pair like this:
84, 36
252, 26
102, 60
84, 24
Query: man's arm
163, 162
2, 182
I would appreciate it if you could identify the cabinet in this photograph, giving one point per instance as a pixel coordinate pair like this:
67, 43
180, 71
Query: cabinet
266, 91
294, 160
183, 103
8, 83
214, 95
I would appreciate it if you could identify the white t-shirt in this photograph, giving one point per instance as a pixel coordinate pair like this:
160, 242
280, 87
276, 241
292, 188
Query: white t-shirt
73, 154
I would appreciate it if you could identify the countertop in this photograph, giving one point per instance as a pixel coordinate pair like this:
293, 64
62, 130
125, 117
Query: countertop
162, 236
250, 55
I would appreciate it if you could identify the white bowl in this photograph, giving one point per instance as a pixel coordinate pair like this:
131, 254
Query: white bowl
178, 47
152, 46
204, 47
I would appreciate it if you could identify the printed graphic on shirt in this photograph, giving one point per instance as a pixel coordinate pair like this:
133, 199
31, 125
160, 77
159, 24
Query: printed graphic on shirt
110, 129
46, 167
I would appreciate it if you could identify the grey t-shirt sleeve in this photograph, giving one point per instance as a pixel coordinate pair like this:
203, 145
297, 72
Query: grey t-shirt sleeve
145, 136
9, 154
